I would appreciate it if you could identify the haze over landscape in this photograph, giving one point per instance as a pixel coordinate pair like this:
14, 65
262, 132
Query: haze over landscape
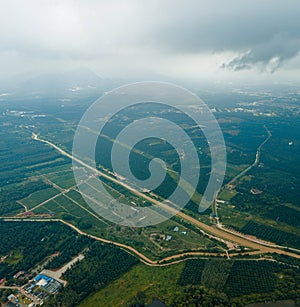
198, 40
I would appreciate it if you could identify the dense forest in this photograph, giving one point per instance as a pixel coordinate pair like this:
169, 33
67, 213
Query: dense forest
11, 193
102, 264
28, 243
216, 282
272, 234
21, 155
192, 272
219, 282
194, 296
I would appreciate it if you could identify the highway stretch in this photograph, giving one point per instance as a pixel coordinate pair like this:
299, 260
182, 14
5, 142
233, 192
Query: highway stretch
220, 233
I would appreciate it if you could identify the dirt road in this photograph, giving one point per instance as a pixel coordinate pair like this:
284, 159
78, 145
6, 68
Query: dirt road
218, 232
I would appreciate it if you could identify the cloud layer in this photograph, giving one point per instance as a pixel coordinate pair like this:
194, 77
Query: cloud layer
165, 36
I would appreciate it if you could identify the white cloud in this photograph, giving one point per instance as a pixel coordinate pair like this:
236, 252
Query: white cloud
180, 38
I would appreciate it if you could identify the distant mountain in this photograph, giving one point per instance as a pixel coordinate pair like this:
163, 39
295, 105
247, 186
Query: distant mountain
81, 80
71, 84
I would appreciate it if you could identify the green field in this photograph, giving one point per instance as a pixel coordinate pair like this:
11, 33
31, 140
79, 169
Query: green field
151, 281
64, 179
221, 280
38, 197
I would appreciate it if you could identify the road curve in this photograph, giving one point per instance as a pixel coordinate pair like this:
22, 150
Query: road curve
259, 247
129, 249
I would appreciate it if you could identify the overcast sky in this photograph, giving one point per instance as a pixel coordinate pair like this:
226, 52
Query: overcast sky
192, 39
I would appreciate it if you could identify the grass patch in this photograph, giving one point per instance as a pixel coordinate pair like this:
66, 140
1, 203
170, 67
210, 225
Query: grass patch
159, 282
38, 197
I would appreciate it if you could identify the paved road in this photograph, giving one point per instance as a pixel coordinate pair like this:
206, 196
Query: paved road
163, 262
256, 240
256, 161
125, 247
218, 232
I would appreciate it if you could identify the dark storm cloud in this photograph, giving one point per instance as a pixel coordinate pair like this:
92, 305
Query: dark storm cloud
270, 55
161, 35
264, 33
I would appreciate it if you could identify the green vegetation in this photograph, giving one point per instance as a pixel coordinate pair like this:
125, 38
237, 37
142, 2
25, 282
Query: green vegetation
192, 272
201, 296
69, 249
10, 194
32, 172
251, 277
201, 282
272, 234
102, 264
284, 214
150, 240
26, 244
140, 282
4, 293
64, 179
215, 273
21, 155
38, 197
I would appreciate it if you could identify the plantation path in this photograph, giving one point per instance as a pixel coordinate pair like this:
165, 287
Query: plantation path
219, 233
